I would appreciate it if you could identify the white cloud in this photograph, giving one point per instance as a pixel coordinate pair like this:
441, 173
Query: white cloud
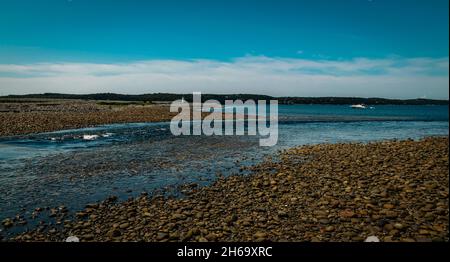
390, 77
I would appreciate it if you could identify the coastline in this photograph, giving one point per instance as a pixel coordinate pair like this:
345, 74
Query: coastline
26, 117
395, 190
30, 117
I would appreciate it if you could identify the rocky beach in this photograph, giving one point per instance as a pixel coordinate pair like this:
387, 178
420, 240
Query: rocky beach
20, 117
392, 190
224, 130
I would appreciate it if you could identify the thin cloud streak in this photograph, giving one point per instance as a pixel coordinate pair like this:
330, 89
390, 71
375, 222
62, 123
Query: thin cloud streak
390, 77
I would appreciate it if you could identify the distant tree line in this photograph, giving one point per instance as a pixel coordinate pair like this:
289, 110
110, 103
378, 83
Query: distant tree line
221, 98
359, 100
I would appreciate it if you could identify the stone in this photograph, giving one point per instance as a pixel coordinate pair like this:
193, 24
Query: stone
407, 239
398, 226
87, 236
53, 212
7, 223
211, 237
424, 232
324, 221
177, 216
174, 236
372, 239
391, 214
329, 228
202, 239
260, 235
188, 235
282, 214
124, 225
388, 227
388, 206
72, 239
114, 233
81, 214
347, 213
231, 219
161, 236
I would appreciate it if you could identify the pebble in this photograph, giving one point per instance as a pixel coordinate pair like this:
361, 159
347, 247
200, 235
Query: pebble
7, 223
282, 214
314, 204
329, 228
372, 239
161, 236
260, 235
398, 226
124, 225
88, 236
72, 239
113, 233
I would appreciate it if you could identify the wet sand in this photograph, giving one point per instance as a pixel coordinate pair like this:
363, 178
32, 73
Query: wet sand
394, 190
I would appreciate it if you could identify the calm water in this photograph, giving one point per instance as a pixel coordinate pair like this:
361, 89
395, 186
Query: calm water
61, 168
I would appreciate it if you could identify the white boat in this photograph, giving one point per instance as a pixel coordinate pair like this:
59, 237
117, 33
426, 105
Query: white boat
90, 137
358, 106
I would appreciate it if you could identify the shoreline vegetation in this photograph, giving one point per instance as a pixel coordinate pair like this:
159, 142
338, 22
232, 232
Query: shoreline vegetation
394, 190
169, 97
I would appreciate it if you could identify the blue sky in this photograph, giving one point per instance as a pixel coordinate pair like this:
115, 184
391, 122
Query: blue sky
390, 48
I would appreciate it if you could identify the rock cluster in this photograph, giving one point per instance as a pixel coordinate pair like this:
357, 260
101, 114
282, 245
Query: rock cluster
389, 191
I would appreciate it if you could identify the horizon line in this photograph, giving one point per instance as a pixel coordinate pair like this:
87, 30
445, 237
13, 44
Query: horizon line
29, 95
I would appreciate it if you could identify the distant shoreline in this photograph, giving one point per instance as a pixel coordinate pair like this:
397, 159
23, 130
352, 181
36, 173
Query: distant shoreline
168, 97
22, 116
